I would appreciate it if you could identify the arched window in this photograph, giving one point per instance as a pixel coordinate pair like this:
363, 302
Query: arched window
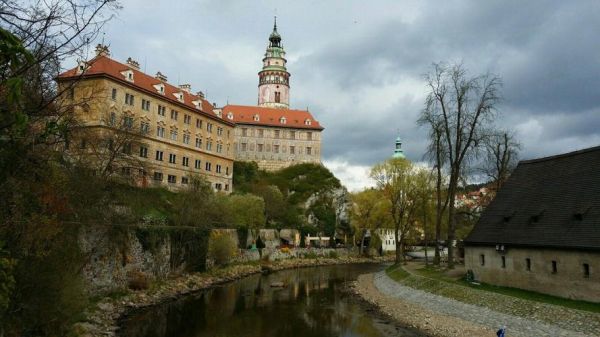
256, 118
282, 120
277, 97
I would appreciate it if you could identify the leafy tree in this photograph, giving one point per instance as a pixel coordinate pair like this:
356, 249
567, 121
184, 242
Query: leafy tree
369, 212
247, 211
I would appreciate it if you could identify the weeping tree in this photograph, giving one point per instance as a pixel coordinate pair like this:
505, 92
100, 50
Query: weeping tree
463, 107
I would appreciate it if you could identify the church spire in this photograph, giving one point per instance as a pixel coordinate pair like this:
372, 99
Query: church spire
398, 153
275, 38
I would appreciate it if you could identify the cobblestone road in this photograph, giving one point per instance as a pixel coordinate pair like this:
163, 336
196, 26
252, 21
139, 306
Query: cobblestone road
529, 319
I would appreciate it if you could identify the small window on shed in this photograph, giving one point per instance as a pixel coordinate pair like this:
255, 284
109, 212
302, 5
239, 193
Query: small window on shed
586, 270
536, 217
554, 267
503, 261
482, 259
528, 264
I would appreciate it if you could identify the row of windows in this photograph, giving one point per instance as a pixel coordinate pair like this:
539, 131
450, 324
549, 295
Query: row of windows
172, 179
161, 110
276, 148
185, 161
585, 266
174, 135
277, 134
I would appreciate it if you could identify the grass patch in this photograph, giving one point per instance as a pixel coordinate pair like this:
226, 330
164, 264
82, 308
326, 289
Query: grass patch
397, 273
439, 275
535, 296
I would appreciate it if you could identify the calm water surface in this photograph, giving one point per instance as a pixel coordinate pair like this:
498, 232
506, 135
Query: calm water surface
312, 304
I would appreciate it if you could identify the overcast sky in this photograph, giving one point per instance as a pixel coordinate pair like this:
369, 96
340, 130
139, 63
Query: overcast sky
358, 65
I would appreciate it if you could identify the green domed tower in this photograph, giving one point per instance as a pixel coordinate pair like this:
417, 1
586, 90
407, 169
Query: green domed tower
398, 153
274, 79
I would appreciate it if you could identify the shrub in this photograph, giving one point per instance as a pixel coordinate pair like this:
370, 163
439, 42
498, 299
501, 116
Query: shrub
222, 248
285, 250
137, 280
333, 255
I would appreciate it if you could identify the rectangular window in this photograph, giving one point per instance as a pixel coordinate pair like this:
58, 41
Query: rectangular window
174, 135
219, 131
198, 123
482, 260
174, 115
227, 170
187, 119
503, 261
244, 147
308, 151
292, 134
219, 148
160, 131
161, 110
129, 100
226, 187
159, 155
528, 264
209, 145
244, 132
171, 179
586, 270
197, 164
209, 127
277, 134
114, 94
143, 151
128, 122
554, 267
186, 139
309, 136
184, 180
185, 161
158, 176
261, 133
144, 127
172, 158
292, 149
207, 166
276, 148
145, 105
112, 120
218, 186
218, 168
259, 147
198, 142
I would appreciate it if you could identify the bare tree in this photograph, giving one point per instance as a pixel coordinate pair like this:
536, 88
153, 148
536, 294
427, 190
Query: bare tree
464, 106
501, 157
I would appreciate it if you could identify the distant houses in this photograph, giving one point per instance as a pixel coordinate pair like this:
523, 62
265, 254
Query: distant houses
542, 231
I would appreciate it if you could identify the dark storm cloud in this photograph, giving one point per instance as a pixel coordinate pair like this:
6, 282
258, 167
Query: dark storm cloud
358, 66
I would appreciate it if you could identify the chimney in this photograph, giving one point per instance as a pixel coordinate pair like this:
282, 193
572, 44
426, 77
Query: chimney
133, 63
186, 87
159, 76
102, 50
200, 94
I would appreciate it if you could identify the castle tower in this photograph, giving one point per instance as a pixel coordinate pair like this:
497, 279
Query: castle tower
274, 85
398, 153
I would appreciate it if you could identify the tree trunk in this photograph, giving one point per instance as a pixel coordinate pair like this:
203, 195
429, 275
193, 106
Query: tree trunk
451, 220
398, 245
425, 235
362, 242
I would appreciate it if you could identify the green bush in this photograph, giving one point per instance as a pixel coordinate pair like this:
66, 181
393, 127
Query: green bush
333, 255
222, 248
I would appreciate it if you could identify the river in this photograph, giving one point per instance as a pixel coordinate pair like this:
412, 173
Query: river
312, 303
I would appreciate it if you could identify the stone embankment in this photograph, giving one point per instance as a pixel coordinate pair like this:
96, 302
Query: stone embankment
427, 305
102, 318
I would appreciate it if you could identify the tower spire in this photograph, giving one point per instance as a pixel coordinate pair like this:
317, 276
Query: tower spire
273, 85
398, 152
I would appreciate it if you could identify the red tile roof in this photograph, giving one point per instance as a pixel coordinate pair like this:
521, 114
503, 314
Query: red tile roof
105, 66
242, 114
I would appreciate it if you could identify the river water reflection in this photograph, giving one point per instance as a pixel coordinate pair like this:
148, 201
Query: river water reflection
311, 304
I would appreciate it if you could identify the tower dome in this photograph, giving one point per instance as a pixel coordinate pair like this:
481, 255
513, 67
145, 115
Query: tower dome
398, 153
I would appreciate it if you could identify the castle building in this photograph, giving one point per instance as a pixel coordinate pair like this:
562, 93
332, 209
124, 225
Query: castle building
161, 133
272, 134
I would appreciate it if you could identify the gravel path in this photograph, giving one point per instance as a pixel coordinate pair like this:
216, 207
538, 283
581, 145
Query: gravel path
485, 317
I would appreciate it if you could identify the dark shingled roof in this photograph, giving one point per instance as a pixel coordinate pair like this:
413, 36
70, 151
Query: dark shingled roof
550, 202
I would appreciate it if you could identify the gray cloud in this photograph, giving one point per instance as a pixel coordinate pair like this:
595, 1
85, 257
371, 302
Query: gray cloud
358, 67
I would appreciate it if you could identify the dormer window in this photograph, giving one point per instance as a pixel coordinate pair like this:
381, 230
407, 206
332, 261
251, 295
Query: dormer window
230, 115
307, 121
197, 104
179, 96
160, 88
128, 74
256, 118
580, 213
536, 217
282, 120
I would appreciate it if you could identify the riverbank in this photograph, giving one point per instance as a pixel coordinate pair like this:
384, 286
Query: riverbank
441, 308
103, 316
